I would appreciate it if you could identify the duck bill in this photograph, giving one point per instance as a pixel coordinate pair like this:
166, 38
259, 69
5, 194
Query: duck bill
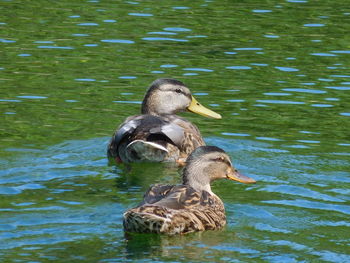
198, 108
237, 176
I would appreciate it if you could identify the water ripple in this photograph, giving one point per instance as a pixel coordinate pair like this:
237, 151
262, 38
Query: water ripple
287, 69
341, 51
345, 209
267, 227
248, 48
32, 97
122, 41
128, 101
54, 47
338, 88
140, 14
261, 11
87, 24
164, 39
313, 91
162, 33
239, 67
199, 69
177, 29
281, 102
2, 40
299, 191
277, 94
323, 54
314, 25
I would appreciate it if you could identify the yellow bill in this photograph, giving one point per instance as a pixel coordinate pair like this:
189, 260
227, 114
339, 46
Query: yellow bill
237, 176
198, 108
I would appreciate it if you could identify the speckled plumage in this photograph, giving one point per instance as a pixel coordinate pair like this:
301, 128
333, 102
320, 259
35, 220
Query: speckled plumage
182, 211
190, 207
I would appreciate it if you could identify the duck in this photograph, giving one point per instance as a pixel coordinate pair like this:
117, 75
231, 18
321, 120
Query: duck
191, 206
158, 134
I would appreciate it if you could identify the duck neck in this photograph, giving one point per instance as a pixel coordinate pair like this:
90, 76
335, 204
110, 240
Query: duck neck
147, 108
153, 107
193, 176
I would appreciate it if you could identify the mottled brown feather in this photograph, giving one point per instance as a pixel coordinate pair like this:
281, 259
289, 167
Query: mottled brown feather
175, 210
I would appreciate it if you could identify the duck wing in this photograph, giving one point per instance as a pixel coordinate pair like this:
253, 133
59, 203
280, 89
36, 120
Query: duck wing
176, 197
146, 130
192, 137
173, 210
149, 126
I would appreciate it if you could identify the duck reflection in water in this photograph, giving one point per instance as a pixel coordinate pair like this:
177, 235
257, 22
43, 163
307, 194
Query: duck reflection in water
196, 245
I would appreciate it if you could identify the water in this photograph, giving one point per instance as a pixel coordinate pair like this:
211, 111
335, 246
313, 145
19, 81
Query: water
278, 73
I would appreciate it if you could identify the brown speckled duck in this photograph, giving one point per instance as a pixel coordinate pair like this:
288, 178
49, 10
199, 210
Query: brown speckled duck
159, 134
190, 207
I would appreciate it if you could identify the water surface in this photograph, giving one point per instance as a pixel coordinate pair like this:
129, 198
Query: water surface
278, 73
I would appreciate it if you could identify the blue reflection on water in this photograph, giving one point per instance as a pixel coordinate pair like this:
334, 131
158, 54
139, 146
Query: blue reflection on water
261, 11
323, 54
177, 29
190, 74
281, 101
235, 134
168, 66
87, 24
127, 77
271, 36
54, 47
313, 91
80, 35
239, 67
277, 94
287, 69
181, 7
199, 69
162, 33
44, 42
89, 80
341, 51
140, 14
32, 97
121, 41
337, 87
248, 48
128, 101
314, 25
321, 105
6, 41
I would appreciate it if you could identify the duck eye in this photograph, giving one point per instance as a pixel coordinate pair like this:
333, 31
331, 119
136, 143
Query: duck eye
178, 90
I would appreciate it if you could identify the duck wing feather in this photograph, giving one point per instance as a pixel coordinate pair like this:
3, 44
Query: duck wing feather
176, 197
148, 127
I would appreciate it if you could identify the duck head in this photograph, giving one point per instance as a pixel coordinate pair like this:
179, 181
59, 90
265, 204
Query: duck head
169, 96
208, 163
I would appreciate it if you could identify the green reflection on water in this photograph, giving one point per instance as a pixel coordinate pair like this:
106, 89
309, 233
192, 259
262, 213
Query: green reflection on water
68, 74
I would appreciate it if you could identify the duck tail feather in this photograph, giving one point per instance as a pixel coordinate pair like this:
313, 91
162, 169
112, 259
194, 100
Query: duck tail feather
143, 222
140, 150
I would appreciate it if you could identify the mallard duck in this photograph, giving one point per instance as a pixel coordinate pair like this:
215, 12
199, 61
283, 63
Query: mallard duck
159, 134
191, 206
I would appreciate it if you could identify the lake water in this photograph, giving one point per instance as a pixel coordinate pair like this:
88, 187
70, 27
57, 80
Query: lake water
277, 71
